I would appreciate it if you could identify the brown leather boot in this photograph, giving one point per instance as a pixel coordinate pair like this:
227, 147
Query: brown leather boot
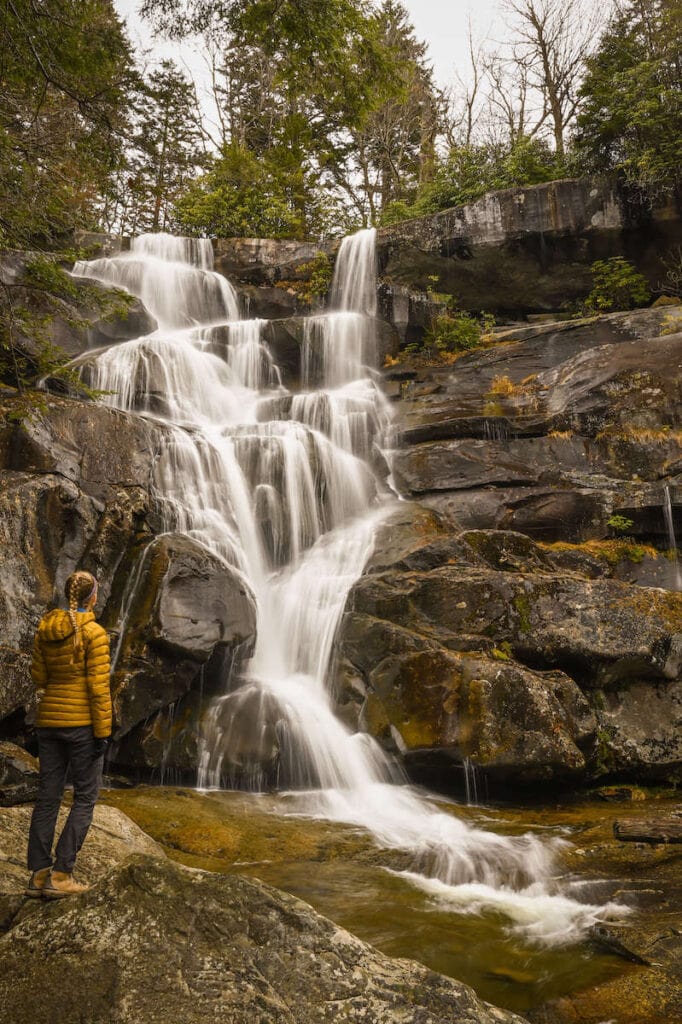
60, 884
36, 884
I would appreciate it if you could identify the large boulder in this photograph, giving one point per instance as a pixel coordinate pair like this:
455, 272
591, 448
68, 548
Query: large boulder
534, 663
157, 941
112, 837
75, 493
186, 608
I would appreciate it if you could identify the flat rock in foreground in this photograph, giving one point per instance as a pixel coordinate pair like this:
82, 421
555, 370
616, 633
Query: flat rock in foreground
155, 942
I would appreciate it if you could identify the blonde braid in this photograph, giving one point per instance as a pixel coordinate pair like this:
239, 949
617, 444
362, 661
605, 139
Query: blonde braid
78, 587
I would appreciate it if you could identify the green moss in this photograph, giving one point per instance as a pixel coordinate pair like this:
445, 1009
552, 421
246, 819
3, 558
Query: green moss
503, 652
522, 604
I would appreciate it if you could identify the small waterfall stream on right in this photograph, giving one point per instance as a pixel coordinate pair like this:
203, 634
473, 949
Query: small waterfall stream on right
281, 486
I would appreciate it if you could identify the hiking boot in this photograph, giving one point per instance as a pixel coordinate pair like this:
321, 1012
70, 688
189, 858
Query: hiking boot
36, 885
60, 884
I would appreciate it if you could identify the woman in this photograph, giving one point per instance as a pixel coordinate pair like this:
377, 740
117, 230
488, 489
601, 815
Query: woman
71, 671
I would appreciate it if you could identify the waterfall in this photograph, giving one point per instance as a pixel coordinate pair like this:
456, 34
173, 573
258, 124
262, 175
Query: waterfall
672, 540
282, 487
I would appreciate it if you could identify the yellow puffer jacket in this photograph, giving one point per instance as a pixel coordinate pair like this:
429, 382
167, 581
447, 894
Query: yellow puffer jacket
76, 688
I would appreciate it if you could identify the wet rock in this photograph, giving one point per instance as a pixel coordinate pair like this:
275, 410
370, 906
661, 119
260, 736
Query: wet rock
166, 745
640, 731
201, 946
286, 339
186, 607
582, 356
439, 706
530, 667
19, 774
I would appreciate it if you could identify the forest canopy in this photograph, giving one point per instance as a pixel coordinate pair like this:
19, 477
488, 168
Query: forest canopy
321, 115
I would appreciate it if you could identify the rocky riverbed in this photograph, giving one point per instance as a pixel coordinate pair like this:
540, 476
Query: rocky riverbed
344, 875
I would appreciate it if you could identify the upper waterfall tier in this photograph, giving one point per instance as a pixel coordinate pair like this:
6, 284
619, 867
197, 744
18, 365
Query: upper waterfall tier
172, 278
354, 287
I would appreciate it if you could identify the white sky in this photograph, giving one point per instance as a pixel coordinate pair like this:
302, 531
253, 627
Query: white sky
440, 23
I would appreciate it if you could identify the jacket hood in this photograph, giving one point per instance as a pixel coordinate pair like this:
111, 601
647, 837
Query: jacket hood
56, 625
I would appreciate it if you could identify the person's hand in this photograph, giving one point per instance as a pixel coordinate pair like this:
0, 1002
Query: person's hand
100, 747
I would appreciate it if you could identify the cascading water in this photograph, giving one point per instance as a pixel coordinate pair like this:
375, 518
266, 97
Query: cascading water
672, 540
282, 487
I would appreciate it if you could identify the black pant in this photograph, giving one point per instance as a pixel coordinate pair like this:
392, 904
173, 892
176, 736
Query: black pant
58, 750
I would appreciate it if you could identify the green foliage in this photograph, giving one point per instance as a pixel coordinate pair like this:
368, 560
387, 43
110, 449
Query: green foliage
242, 196
619, 524
294, 80
454, 331
504, 652
27, 353
65, 74
617, 285
318, 275
468, 172
45, 273
631, 113
394, 147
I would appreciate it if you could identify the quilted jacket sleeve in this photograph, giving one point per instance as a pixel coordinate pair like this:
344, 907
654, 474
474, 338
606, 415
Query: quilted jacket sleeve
38, 666
96, 642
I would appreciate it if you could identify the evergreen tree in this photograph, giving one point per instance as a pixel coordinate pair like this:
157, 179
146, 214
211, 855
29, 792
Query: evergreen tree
293, 80
165, 155
395, 146
631, 115
65, 74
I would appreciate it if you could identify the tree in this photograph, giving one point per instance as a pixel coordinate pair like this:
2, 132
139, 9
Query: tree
290, 96
65, 74
164, 156
551, 41
631, 116
241, 195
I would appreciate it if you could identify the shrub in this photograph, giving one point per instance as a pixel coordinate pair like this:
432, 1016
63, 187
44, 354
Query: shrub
502, 385
617, 285
619, 524
455, 331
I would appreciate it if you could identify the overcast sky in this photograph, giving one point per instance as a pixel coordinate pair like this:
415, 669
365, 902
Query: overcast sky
440, 23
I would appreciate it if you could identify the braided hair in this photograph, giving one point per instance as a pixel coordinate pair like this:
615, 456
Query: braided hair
79, 588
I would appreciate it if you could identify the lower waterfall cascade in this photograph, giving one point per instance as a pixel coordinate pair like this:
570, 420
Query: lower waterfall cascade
283, 487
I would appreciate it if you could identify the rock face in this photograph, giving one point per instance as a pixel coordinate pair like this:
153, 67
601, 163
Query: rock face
517, 251
187, 610
550, 432
155, 940
500, 655
526, 250
498, 621
76, 492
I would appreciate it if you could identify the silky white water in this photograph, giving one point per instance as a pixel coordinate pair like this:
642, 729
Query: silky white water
282, 487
